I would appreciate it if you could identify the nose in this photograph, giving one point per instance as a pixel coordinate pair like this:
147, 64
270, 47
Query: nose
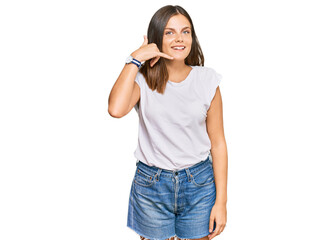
179, 37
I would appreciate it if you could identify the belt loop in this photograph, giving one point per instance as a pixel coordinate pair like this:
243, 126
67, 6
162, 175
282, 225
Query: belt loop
188, 174
158, 174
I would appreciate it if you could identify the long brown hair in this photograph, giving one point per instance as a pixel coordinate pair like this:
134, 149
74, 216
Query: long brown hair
157, 76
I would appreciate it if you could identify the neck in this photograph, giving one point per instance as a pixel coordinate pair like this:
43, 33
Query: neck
175, 66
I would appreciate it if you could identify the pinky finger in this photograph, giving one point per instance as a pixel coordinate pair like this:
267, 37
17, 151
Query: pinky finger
154, 60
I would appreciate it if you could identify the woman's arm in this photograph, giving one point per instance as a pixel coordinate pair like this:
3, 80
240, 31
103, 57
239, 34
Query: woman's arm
220, 164
219, 154
121, 93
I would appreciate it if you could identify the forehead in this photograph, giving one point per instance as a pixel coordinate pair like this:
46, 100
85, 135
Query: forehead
178, 21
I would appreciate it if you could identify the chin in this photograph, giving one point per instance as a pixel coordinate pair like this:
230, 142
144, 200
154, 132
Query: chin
179, 58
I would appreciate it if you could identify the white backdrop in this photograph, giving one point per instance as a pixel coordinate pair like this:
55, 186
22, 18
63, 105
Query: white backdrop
67, 165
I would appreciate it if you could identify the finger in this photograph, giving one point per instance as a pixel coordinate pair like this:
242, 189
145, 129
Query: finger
211, 223
154, 60
211, 236
165, 55
214, 234
145, 41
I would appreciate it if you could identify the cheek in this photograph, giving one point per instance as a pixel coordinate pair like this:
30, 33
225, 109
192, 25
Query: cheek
166, 43
189, 40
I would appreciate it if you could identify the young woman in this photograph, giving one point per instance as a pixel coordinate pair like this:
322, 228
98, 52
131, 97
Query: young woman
179, 187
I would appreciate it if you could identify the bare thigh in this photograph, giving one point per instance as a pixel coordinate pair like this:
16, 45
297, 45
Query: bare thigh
143, 238
173, 238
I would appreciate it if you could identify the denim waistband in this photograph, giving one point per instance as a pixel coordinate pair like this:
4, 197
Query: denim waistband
152, 170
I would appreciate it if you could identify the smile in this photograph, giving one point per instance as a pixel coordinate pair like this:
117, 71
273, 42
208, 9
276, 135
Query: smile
178, 48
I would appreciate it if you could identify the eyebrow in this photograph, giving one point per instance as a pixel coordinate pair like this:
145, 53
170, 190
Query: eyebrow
182, 28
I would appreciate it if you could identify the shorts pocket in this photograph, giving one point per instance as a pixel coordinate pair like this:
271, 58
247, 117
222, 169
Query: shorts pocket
203, 177
142, 178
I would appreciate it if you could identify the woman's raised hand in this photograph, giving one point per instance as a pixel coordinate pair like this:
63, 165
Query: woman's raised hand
149, 51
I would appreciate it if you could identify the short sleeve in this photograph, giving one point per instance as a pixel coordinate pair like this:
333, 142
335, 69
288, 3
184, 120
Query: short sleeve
213, 81
138, 81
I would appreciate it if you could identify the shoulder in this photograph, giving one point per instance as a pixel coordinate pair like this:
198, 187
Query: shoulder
140, 75
205, 70
207, 73
208, 82
139, 78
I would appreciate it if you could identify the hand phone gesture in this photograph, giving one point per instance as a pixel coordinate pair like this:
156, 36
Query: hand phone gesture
149, 51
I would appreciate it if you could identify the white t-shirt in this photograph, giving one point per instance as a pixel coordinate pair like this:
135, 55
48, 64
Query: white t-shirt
172, 127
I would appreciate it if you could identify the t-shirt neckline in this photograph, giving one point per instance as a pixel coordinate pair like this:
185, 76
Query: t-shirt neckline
178, 84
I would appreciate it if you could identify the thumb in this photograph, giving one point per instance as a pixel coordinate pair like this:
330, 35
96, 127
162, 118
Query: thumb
211, 224
145, 41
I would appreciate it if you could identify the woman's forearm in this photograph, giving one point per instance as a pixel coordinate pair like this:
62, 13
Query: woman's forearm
220, 167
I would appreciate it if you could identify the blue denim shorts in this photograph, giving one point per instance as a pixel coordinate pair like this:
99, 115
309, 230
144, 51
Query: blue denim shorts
165, 203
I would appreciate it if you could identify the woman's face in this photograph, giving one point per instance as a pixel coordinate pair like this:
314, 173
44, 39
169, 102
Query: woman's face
177, 33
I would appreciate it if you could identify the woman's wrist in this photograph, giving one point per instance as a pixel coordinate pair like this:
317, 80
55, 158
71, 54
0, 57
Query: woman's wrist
136, 56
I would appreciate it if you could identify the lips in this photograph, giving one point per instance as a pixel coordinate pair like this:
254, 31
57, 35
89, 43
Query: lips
178, 47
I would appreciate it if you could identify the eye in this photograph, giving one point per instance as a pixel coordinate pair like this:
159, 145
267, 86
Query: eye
187, 31
168, 32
